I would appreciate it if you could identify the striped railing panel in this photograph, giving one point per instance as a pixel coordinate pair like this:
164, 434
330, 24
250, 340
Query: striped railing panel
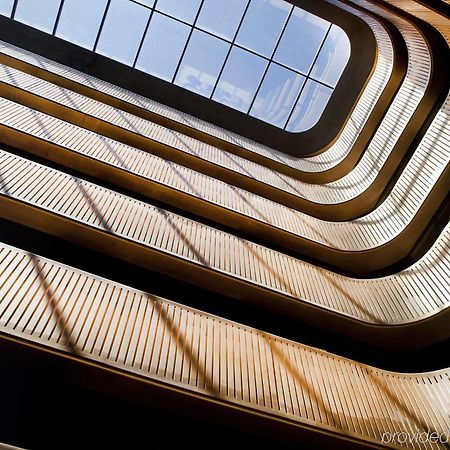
383, 225
412, 295
108, 324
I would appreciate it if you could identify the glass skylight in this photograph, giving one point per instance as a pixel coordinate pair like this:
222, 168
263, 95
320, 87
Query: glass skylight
266, 58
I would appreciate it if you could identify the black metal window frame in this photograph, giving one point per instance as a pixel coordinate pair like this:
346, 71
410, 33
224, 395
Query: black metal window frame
233, 44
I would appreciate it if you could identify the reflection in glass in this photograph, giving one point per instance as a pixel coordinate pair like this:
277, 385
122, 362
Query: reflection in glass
122, 31
181, 9
240, 79
221, 17
80, 20
301, 40
201, 63
162, 60
309, 107
39, 14
277, 95
262, 25
6, 7
333, 57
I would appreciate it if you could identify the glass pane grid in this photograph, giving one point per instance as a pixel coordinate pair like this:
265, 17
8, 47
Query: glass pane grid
266, 58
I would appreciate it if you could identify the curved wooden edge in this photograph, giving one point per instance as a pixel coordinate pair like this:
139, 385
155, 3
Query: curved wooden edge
440, 6
431, 329
354, 263
399, 69
293, 371
434, 97
338, 211
369, 128
99, 377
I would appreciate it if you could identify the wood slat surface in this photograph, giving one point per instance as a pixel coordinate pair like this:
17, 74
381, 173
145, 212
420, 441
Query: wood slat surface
92, 318
59, 202
438, 21
287, 227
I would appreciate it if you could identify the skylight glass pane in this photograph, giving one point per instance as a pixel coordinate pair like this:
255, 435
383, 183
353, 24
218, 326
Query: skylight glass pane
309, 107
333, 57
277, 95
148, 3
181, 9
221, 17
162, 60
262, 25
80, 20
6, 7
202, 63
301, 40
240, 79
122, 31
39, 14
220, 49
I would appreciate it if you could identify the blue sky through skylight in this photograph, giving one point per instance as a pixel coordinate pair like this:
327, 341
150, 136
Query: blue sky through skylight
266, 58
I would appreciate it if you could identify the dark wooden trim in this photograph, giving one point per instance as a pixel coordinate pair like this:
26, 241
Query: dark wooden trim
439, 6
26, 359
